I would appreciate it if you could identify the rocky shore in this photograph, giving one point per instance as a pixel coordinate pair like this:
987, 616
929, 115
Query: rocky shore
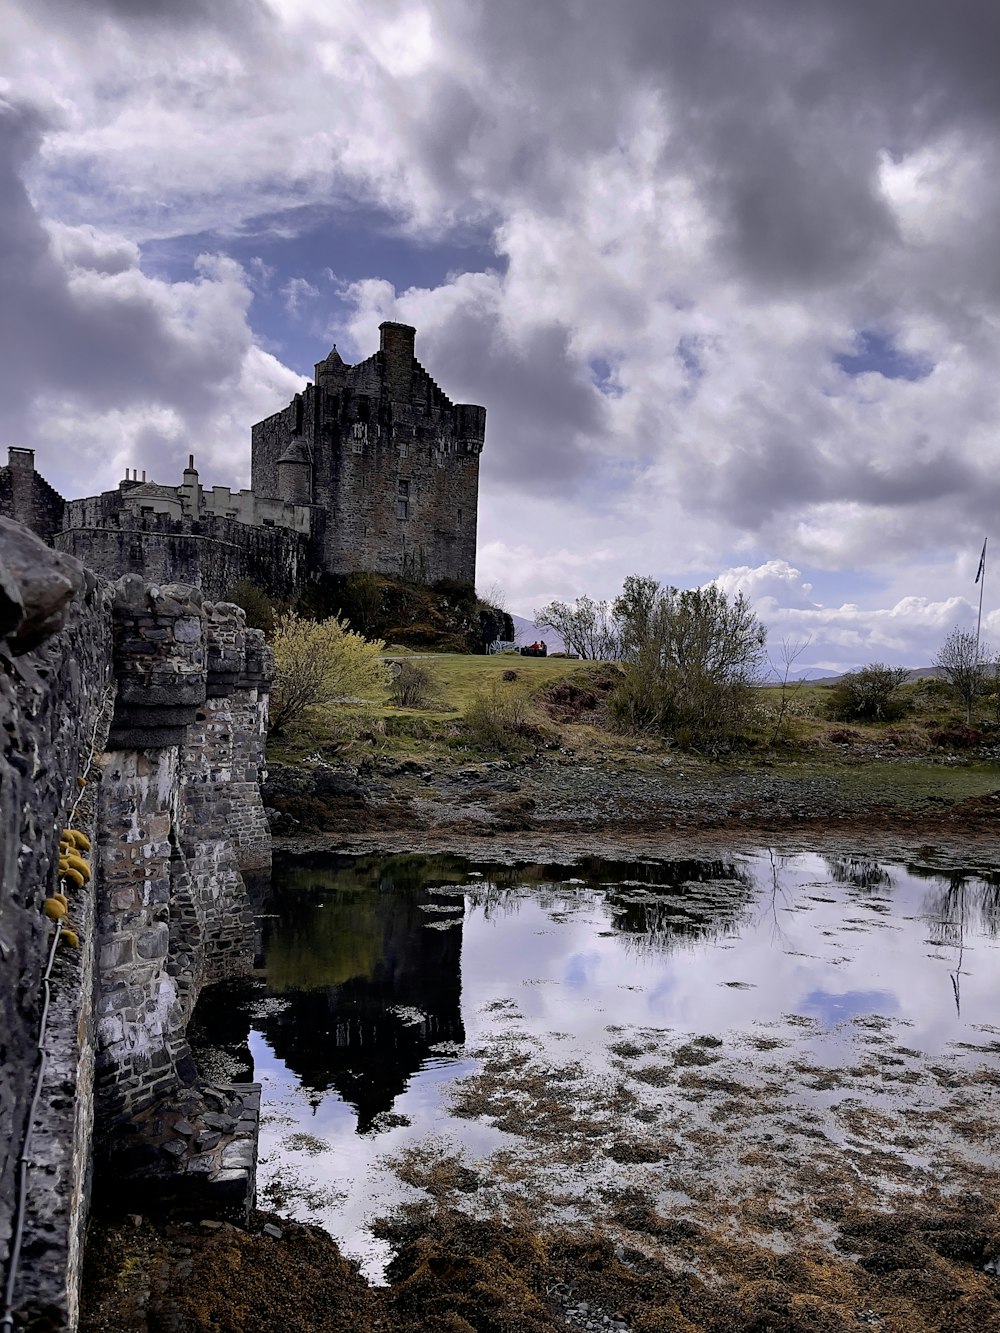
571, 805
824, 1223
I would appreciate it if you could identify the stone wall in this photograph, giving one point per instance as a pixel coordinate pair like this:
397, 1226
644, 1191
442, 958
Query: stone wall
155, 701
213, 554
27, 497
55, 676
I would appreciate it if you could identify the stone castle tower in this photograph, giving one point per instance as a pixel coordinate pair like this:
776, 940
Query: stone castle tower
371, 468
388, 463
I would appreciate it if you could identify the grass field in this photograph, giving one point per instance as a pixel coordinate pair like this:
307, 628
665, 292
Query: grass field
795, 721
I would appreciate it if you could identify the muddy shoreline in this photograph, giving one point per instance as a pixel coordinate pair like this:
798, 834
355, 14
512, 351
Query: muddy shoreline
753, 1185
563, 808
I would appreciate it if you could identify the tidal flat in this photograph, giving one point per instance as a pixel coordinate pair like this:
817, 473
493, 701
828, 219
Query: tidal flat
756, 1090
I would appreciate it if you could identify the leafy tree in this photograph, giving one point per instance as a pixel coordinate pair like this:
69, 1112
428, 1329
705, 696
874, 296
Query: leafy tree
259, 608
632, 612
869, 695
318, 662
691, 659
963, 660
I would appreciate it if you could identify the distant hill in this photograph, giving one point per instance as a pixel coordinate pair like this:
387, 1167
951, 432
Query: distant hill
917, 673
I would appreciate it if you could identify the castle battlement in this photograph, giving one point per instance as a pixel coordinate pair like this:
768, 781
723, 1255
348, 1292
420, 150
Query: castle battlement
370, 467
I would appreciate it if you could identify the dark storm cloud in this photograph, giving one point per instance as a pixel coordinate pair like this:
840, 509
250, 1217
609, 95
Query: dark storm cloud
541, 411
756, 483
105, 348
780, 111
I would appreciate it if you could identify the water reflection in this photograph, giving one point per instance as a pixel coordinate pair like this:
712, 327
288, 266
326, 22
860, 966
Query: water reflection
684, 902
858, 872
360, 982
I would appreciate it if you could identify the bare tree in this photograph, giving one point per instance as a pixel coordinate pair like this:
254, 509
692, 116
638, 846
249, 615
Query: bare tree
791, 651
963, 660
585, 627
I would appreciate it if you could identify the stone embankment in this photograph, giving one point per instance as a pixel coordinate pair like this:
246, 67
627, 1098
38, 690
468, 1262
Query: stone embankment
136, 716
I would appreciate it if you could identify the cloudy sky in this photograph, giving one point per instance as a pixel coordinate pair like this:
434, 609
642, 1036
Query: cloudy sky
725, 273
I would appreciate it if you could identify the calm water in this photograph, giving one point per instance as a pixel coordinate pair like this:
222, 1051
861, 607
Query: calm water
380, 981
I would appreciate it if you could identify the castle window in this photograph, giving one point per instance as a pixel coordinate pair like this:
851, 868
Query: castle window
359, 433
146, 509
402, 449
268, 522
402, 509
460, 518
404, 490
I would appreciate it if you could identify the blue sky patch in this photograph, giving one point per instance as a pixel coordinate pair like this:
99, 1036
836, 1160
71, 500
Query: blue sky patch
602, 374
876, 352
832, 1008
327, 248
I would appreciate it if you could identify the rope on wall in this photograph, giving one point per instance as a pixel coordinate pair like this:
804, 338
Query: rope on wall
24, 1161
101, 716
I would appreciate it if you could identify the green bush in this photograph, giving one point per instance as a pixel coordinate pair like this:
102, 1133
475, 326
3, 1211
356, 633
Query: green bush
260, 610
414, 685
497, 719
319, 662
869, 695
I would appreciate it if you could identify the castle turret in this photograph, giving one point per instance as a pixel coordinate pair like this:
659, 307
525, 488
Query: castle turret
332, 372
397, 359
191, 490
295, 473
470, 427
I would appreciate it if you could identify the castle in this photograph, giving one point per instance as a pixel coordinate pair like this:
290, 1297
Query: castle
371, 467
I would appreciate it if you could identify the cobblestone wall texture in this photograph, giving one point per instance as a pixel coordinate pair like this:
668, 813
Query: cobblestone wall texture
155, 701
214, 553
56, 672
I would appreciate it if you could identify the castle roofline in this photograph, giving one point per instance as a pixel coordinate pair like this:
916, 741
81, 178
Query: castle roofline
297, 451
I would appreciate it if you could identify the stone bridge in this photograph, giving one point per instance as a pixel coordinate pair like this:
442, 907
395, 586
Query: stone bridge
136, 716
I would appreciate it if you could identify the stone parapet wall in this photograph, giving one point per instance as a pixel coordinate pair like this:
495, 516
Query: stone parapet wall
175, 915
56, 675
212, 553
135, 714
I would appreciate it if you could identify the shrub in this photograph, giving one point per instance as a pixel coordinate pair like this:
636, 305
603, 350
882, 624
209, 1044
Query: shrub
690, 662
911, 738
869, 695
843, 736
259, 608
414, 685
497, 719
955, 737
319, 662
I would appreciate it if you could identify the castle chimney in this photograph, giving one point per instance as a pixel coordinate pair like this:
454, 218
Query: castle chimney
22, 460
144, 474
397, 359
191, 490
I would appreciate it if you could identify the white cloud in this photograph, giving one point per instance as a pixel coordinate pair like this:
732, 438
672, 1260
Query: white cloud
696, 210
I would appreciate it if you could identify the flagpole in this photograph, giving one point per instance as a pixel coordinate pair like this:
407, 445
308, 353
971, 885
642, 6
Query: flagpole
981, 580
